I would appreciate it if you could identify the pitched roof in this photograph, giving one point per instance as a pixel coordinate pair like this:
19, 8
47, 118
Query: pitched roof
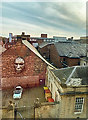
65, 74
45, 44
71, 50
34, 50
81, 72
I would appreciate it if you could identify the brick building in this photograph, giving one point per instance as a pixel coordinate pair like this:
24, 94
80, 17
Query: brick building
33, 73
63, 54
84, 39
40, 39
35, 41
69, 86
44, 49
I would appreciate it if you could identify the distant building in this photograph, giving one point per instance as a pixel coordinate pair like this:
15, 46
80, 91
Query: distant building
35, 41
44, 49
77, 40
9, 44
58, 39
23, 36
43, 35
63, 54
84, 39
14, 38
69, 86
3, 41
41, 39
10, 37
44, 38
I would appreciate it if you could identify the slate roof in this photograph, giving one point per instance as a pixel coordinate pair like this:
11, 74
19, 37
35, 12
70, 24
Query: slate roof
71, 50
67, 73
45, 44
63, 73
81, 72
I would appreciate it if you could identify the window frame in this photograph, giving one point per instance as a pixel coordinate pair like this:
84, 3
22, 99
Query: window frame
79, 101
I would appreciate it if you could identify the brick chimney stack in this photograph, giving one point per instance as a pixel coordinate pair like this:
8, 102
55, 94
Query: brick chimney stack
23, 33
44, 35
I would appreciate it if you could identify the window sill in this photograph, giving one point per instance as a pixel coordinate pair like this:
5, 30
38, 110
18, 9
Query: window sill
77, 112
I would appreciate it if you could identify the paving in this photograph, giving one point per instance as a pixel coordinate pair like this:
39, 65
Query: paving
25, 105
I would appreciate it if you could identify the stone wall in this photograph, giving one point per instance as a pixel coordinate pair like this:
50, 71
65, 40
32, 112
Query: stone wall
47, 110
67, 110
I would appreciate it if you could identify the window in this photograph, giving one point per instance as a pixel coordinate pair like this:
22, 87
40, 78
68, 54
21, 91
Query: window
79, 63
79, 104
84, 63
64, 59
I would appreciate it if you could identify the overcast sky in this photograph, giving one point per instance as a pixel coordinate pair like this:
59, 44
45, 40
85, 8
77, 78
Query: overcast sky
65, 19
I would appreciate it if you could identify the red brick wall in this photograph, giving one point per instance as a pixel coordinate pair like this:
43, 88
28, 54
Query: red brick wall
25, 81
34, 66
73, 61
61, 59
44, 51
39, 41
44, 35
69, 61
56, 59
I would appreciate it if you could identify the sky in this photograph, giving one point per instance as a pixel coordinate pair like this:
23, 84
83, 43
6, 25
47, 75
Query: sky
59, 18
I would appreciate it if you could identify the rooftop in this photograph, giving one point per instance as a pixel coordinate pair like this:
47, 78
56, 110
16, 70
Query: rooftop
70, 49
63, 73
34, 50
45, 44
78, 72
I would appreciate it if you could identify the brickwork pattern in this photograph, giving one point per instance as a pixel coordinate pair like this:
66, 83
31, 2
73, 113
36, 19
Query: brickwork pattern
44, 51
34, 66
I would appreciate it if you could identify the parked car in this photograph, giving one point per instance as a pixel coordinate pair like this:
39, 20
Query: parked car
17, 92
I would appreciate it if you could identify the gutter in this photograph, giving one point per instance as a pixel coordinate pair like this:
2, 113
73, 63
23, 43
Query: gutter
73, 93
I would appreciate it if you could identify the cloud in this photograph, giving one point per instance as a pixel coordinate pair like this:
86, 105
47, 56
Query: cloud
44, 0
50, 17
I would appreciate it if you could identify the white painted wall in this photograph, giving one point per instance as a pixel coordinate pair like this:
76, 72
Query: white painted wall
53, 85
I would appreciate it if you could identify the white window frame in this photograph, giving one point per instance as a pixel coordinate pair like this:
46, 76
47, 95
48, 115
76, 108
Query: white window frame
80, 101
